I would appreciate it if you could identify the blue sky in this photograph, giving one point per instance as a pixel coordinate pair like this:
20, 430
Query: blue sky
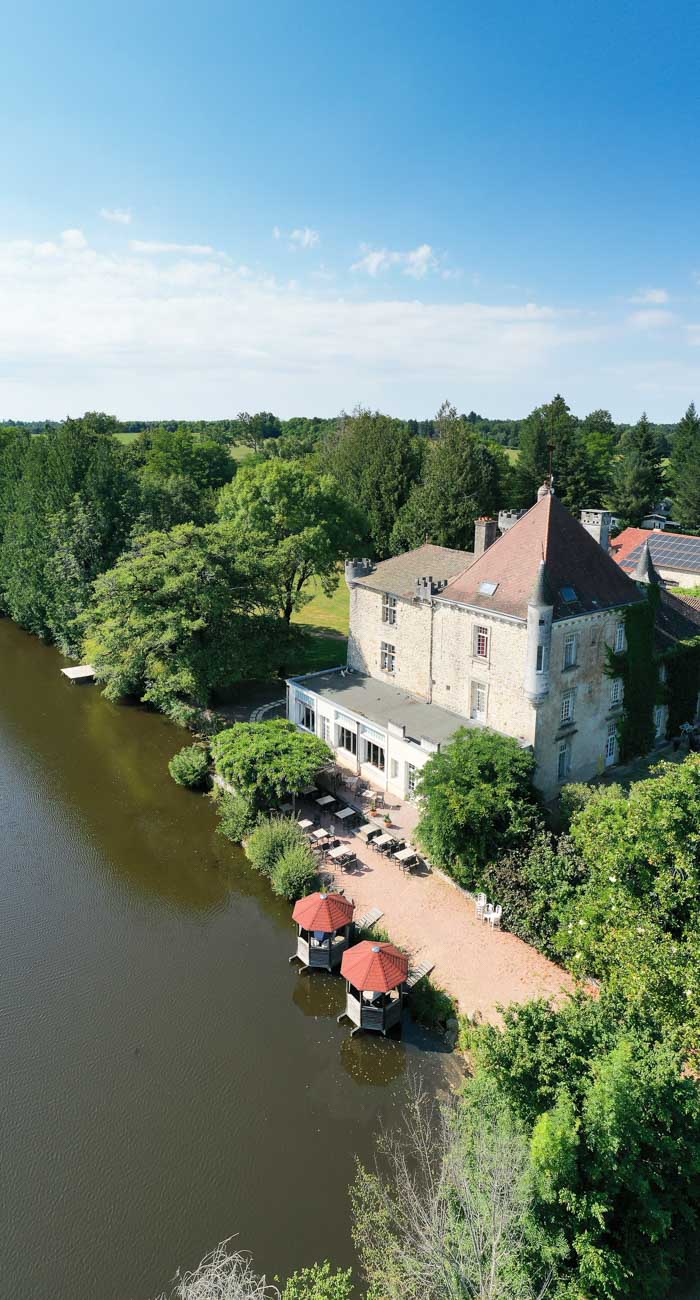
307, 206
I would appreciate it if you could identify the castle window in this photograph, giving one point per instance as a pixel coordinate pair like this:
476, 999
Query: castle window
542, 658
570, 650
388, 609
611, 744
619, 638
347, 740
478, 709
616, 690
481, 642
563, 760
567, 707
388, 657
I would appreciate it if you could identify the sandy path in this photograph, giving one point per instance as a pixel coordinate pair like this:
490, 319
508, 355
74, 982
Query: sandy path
433, 919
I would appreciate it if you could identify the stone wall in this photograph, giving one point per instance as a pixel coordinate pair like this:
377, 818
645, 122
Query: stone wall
410, 635
456, 668
593, 709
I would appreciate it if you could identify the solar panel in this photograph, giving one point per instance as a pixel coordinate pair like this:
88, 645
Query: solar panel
669, 549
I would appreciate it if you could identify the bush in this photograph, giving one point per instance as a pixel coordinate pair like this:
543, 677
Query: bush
476, 801
237, 817
319, 1283
431, 1006
190, 767
268, 761
294, 873
270, 840
535, 887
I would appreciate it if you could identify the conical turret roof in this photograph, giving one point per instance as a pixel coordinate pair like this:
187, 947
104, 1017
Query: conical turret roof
644, 570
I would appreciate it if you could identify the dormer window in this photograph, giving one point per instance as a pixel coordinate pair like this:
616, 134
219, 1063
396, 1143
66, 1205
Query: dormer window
568, 595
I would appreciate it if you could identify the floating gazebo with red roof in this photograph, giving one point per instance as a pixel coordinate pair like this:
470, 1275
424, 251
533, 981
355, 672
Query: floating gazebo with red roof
375, 975
325, 925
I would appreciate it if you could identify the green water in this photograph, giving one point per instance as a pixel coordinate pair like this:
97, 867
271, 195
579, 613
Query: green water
167, 1078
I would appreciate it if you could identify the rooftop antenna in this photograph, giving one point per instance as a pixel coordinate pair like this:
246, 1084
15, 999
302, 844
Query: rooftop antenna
550, 449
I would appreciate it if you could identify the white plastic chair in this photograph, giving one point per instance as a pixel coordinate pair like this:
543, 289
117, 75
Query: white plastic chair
480, 906
494, 917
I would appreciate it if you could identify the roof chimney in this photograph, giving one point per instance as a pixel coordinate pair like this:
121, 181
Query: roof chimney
484, 534
545, 490
597, 523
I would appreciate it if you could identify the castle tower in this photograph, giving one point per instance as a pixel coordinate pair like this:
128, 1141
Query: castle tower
540, 609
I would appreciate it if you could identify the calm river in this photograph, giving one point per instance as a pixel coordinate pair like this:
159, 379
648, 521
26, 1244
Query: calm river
167, 1078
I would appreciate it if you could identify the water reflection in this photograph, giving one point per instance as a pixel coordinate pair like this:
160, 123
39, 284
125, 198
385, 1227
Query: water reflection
371, 1059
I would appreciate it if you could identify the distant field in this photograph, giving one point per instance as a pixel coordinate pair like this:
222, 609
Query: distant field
238, 453
125, 437
327, 613
513, 454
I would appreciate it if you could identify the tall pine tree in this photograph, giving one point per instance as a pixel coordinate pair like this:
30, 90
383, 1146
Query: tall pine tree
684, 471
553, 426
638, 478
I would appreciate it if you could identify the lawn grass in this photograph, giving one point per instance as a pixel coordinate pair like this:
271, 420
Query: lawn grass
315, 653
327, 613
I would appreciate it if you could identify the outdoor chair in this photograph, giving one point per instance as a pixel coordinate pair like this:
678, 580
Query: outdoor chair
480, 906
494, 917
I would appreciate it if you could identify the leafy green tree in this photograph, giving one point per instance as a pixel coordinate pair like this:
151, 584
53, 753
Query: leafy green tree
476, 801
268, 761
180, 615
463, 477
299, 520
600, 439
638, 478
535, 884
553, 427
320, 1282
377, 461
684, 470
254, 430
615, 1142
180, 475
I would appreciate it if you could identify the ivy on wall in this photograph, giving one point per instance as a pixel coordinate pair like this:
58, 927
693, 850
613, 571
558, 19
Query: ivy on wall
638, 668
682, 683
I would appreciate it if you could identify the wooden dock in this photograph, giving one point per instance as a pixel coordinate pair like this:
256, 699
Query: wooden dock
83, 673
418, 973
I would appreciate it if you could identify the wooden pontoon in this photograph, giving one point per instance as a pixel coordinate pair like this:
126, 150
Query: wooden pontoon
82, 673
375, 975
325, 922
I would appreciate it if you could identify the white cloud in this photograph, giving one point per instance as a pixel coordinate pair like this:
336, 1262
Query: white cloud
657, 296
653, 319
73, 239
121, 216
156, 246
304, 238
417, 262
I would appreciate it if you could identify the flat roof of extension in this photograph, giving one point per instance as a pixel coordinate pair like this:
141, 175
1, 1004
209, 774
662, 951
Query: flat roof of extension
381, 703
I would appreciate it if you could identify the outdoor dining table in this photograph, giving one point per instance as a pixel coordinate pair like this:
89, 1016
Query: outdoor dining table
368, 830
325, 800
340, 853
406, 857
345, 813
310, 789
287, 807
319, 835
383, 841
305, 824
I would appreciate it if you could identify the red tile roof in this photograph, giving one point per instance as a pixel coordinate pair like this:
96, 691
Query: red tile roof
573, 560
377, 966
323, 912
669, 550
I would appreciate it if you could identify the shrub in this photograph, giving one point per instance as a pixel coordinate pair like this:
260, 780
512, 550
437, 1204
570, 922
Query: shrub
476, 801
319, 1283
294, 873
270, 840
237, 817
431, 1006
190, 767
535, 887
268, 761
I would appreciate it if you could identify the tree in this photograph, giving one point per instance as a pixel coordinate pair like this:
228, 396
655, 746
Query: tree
320, 1282
299, 520
463, 477
638, 474
448, 1215
615, 1142
553, 427
684, 470
599, 435
269, 761
377, 461
180, 475
180, 615
476, 800
253, 430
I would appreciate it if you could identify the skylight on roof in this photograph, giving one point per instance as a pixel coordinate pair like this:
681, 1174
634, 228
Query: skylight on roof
568, 594
487, 588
